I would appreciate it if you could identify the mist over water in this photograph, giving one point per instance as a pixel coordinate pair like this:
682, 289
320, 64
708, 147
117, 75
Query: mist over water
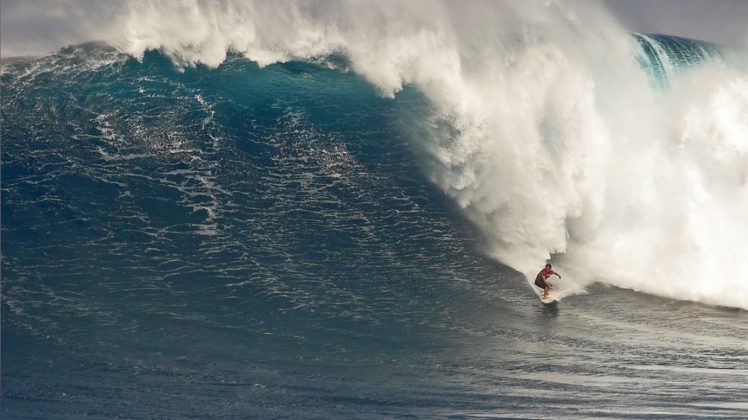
559, 134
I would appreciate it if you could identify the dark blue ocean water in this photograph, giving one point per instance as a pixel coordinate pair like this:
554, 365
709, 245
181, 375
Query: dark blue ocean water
261, 242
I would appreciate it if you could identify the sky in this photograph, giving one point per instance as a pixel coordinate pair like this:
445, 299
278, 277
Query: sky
43, 26
719, 21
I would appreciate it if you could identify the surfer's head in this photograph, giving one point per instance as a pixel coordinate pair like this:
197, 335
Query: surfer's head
548, 266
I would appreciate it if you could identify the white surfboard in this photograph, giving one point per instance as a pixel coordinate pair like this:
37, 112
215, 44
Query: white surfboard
550, 299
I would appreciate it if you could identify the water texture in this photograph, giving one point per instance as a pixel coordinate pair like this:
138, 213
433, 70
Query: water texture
305, 236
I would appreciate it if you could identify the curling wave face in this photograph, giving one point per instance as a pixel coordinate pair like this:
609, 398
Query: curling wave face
622, 159
549, 131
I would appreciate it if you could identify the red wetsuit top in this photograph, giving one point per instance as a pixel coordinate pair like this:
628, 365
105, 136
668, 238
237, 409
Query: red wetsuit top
542, 276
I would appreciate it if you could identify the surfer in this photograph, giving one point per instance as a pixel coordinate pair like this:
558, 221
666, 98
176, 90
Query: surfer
541, 280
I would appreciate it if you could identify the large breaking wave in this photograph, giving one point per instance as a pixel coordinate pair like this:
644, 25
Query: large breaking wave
623, 159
